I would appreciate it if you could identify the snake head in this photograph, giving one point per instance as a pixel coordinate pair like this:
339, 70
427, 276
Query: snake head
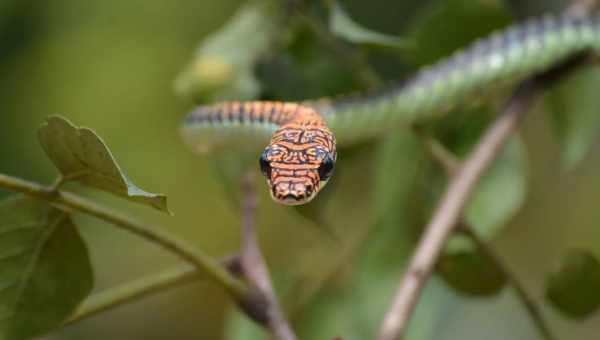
294, 175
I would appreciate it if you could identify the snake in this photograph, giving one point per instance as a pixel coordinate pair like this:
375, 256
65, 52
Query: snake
301, 138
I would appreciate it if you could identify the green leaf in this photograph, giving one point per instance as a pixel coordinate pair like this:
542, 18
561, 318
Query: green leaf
471, 273
447, 25
223, 66
575, 107
81, 155
501, 191
342, 25
45, 271
573, 287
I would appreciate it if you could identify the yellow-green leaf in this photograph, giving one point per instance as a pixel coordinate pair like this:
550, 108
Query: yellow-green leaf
81, 155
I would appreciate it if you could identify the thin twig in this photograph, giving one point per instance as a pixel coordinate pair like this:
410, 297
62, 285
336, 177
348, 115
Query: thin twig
157, 235
140, 288
528, 302
255, 270
459, 189
448, 160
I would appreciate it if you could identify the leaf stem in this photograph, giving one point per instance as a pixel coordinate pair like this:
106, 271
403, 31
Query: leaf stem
236, 288
134, 290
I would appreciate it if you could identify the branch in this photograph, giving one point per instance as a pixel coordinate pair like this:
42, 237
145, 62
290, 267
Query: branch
528, 302
450, 162
448, 213
449, 210
268, 313
140, 288
67, 200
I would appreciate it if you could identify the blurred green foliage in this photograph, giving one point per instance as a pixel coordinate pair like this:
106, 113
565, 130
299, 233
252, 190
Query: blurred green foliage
574, 108
111, 65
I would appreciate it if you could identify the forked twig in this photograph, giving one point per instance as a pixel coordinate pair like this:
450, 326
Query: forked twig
448, 160
460, 187
448, 213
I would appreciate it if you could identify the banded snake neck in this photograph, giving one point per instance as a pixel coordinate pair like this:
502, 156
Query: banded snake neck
302, 151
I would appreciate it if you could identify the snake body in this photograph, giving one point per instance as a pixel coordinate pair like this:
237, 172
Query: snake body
301, 154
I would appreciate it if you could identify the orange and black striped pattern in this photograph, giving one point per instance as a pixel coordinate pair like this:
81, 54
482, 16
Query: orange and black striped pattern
301, 155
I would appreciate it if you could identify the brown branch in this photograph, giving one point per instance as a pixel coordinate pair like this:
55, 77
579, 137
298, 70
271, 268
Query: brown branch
449, 210
268, 311
450, 163
448, 213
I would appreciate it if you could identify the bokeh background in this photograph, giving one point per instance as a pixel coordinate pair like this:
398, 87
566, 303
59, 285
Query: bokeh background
110, 65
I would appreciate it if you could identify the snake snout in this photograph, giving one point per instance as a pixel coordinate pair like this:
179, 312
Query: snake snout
293, 193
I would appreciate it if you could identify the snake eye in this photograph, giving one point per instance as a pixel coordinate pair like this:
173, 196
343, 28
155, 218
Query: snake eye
265, 166
326, 168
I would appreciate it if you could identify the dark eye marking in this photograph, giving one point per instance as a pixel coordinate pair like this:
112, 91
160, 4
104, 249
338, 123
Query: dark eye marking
326, 168
265, 165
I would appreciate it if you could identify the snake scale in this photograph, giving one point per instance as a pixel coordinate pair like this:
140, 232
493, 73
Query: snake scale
301, 154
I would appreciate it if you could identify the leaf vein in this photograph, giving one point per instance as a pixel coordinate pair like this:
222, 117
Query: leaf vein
17, 227
15, 253
51, 227
7, 285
